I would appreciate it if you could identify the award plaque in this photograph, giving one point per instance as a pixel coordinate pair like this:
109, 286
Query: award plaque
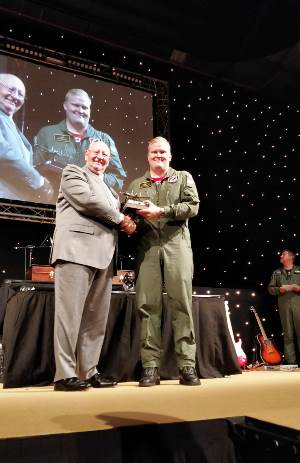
134, 202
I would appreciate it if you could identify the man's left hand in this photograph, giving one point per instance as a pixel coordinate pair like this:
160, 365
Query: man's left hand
150, 212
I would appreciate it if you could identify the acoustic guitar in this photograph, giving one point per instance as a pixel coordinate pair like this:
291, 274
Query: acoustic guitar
268, 352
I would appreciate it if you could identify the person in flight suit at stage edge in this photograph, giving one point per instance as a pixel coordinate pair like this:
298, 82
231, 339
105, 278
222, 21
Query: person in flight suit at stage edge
285, 283
164, 255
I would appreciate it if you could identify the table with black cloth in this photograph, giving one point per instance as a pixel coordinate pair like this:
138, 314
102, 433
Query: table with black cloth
28, 338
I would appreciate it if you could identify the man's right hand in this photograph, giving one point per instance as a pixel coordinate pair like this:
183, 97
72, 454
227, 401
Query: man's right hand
127, 225
46, 192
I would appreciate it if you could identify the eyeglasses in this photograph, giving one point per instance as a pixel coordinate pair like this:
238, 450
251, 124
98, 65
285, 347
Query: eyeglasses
100, 153
13, 91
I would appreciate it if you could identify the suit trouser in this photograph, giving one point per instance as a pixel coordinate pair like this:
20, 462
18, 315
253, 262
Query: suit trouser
289, 311
172, 264
82, 301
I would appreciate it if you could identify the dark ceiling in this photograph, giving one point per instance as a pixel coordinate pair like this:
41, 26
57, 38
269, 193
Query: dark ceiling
250, 43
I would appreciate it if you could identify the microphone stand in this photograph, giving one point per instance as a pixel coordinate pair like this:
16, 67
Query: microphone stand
44, 244
29, 247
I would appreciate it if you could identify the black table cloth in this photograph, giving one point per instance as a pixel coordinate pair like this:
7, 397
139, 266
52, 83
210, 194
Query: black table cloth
28, 338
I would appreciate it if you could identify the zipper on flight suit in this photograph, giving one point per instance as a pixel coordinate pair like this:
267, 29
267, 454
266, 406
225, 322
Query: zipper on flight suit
157, 186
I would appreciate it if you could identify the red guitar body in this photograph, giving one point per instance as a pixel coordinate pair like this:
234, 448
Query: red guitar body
268, 352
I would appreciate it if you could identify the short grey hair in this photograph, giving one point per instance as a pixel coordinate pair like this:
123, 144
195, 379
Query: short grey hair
157, 140
77, 92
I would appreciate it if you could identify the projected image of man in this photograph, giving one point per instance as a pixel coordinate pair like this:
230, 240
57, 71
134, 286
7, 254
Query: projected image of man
18, 178
65, 143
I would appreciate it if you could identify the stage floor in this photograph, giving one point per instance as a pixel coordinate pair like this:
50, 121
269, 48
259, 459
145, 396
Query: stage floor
272, 396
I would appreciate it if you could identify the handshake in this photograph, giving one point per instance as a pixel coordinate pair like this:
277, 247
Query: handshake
127, 225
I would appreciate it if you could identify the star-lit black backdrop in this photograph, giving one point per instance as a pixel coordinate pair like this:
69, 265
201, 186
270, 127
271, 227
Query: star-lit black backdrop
242, 150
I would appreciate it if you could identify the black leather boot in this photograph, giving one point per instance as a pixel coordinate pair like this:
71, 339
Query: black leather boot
188, 376
150, 377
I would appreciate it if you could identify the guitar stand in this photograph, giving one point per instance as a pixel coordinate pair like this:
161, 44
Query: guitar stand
255, 366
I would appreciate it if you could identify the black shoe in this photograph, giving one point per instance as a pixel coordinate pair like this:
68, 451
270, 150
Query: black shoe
70, 384
150, 377
101, 381
188, 377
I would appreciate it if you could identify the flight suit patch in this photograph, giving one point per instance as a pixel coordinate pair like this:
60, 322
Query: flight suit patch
172, 179
95, 139
62, 138
145, 184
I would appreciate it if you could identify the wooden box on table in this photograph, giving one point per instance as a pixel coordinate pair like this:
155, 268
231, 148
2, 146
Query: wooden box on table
40, 273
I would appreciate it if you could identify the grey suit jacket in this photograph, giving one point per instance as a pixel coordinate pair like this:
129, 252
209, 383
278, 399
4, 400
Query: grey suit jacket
86, 219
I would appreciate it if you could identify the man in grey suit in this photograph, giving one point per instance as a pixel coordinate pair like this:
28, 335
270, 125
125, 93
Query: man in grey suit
87, 219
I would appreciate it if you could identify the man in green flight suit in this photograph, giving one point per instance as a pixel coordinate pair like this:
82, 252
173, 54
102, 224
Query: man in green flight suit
64, 143
164, 255
285, 283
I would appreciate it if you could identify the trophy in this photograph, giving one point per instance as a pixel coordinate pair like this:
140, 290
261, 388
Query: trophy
128, 281
51, 168
133, 202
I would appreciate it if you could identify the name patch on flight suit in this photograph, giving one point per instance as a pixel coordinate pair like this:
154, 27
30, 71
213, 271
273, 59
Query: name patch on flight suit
172, 179
62, 138
145, 184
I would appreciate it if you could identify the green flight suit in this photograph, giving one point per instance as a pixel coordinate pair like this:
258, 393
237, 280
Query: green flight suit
164, 256
289, 310
54, 143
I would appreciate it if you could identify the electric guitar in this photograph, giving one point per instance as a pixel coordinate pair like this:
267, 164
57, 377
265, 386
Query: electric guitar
268, 352
242, 358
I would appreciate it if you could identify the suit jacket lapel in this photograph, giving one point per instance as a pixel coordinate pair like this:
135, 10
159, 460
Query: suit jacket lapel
115, 194
105, 189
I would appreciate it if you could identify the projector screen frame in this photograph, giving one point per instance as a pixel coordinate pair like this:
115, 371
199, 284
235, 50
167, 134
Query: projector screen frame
45, 213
